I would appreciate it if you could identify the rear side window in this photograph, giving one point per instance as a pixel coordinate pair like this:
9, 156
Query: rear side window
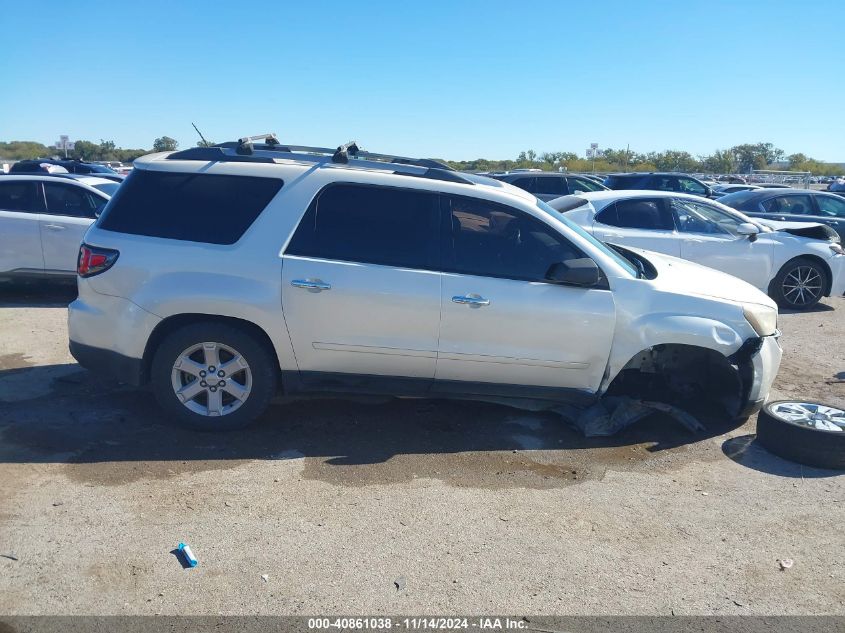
551, 185
372, 225
637, 214
66, 199
622, 182
17, 196
524, 183
192, 207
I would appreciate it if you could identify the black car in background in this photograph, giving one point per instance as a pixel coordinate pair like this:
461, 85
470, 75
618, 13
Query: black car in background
659, 181
36, 166
549, 185
791, 205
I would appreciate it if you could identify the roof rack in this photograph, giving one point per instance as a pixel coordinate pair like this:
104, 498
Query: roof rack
246, 149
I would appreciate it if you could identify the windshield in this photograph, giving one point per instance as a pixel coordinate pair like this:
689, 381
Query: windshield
108, 187
618, 258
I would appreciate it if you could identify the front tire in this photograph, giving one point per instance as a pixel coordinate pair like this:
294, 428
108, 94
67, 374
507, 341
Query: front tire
799, 285
213, 376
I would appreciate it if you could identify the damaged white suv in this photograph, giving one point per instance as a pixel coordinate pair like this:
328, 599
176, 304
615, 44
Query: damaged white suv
221, 275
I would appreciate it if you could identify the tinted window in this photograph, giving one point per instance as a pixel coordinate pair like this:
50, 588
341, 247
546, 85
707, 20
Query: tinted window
695, 217
743, 200
375, 225
830, 206
553, 185
800, 205
17, 196
491, 240
637, 214
193, 207
665, 183
622, 182
69, 200
524, 183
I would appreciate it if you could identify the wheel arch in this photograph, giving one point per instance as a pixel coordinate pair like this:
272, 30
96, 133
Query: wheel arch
828, 273
176, 321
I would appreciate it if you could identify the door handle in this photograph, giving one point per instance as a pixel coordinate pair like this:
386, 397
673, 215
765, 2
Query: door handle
471, 300
54, 227
311, 285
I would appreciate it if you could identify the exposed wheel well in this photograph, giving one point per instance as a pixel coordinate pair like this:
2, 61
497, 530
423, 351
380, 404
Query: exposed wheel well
828, 273
173, 323
686, 376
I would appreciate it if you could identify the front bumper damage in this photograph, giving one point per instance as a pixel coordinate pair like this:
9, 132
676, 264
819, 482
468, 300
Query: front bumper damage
758, 361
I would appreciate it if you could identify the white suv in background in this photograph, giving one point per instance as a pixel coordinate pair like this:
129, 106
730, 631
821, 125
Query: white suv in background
43, 219
221, 274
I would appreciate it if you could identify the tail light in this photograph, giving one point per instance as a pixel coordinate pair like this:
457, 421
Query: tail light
93, 260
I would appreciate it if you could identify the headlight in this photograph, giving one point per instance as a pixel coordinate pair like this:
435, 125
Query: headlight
763, 319
837, 248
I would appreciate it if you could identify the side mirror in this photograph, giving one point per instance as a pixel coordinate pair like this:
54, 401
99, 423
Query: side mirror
575, 272
746, 228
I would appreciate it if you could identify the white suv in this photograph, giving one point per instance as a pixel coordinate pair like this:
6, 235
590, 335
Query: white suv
221, 274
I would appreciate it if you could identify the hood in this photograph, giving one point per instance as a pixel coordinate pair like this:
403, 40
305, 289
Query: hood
812, 230
680, 275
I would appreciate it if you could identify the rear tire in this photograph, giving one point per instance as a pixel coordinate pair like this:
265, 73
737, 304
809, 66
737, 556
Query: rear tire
213, 376
799, 285
803, 439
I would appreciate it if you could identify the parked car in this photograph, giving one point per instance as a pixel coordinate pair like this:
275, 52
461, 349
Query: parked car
659, 181
217, 274
42, 221
800, 205
550, 185
774, 185
41, 165
723, 190
778, 258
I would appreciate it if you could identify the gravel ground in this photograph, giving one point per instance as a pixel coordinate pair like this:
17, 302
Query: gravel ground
400, 506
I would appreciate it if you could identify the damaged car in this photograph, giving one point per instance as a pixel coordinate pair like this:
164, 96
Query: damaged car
795, 263
224, 275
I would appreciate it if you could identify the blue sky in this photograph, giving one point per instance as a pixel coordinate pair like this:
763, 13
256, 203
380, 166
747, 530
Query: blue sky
456, 80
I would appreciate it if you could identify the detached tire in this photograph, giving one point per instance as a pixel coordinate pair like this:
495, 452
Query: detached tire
804, 432
213, 376
799, 285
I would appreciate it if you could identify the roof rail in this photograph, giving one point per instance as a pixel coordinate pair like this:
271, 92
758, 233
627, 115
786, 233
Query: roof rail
247, 150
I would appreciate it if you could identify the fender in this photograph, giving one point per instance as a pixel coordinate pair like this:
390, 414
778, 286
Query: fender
220, 294
651, 330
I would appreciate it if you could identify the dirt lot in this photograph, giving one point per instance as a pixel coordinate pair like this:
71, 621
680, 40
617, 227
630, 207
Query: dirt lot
401, 506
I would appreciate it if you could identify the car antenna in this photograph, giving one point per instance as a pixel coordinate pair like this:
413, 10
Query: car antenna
204, 142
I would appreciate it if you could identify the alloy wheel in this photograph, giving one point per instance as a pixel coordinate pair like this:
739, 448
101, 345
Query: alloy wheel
211, 379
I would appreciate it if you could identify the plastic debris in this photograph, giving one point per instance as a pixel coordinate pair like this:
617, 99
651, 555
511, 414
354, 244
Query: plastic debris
785, 563
265, 577
399, 583
188, 555
612, 414
9, 556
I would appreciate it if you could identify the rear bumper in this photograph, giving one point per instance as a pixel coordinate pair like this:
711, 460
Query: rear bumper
105, 361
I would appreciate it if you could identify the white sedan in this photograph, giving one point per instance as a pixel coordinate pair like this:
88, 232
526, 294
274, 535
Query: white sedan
795, 263
43, 219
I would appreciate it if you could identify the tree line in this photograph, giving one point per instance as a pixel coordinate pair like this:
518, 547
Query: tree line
83, 150
737, 159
